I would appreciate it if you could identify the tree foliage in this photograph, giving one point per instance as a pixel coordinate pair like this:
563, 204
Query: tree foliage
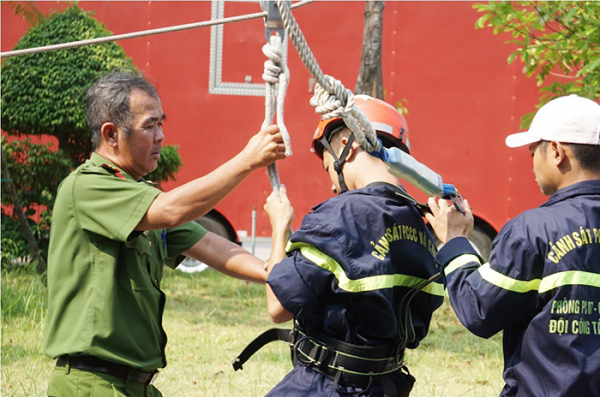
26, 10
36, 171
167, 166
558, 42
44, 94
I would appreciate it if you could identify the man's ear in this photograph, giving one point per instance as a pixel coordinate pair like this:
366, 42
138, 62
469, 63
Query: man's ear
351, 151
558, 152
110, 134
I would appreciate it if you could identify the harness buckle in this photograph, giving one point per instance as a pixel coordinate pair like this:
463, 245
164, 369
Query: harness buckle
334, 362
399, 358
339, 390
317, 355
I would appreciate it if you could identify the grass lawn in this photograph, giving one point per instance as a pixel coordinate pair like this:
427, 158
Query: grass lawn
210, 318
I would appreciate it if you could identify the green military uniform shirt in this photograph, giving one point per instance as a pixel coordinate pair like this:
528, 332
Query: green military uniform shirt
104, 296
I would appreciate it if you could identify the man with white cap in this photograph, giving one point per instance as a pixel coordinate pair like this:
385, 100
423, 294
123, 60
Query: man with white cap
542, 283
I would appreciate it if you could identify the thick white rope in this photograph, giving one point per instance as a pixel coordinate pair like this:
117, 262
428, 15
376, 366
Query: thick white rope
277, 77
332, 98
276, 72
177, 28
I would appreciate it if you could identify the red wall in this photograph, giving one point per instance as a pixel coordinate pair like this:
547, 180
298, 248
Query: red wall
463, 97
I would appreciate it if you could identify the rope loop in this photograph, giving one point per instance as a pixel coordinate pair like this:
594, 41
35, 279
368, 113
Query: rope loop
276, 72
338, 102
275, 56
331, 98
367, 136
335, 102
276, 76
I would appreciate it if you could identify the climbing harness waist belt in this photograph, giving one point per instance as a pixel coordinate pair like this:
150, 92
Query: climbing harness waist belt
90, 363
347, 363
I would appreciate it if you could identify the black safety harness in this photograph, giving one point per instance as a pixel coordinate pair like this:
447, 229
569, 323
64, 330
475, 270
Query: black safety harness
345, 363
338, 163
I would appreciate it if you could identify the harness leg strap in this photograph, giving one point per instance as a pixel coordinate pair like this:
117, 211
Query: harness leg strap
397, 384
274, 334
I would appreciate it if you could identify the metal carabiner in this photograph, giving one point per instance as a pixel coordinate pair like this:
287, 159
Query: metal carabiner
451, 193
273, 21
457, 201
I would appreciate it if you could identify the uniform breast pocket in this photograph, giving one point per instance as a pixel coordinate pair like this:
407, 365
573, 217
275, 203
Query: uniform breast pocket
135, 268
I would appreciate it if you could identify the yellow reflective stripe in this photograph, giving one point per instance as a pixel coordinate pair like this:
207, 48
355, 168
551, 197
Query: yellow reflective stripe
459, 262
556, 280
434, 288
372, 283
573, 277
505, 282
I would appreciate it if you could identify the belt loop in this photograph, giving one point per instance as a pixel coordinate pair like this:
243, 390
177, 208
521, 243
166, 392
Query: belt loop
68, 365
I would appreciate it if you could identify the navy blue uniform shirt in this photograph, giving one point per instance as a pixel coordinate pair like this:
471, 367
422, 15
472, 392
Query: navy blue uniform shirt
348, 267
542, 287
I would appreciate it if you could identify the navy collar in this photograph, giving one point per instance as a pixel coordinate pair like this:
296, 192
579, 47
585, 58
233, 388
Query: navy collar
590, 187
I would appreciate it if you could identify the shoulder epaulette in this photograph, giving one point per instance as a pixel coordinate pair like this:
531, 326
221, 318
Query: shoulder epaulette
113, 170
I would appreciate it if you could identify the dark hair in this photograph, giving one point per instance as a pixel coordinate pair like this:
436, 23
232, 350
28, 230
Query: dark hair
108, 100
334, 133
588, 156
336, 136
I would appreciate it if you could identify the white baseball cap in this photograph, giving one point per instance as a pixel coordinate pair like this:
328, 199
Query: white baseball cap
568, 119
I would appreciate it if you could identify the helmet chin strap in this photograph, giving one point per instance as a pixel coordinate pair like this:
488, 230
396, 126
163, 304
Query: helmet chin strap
338, 163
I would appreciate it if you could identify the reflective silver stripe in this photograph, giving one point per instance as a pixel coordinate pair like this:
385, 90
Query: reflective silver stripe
383, 127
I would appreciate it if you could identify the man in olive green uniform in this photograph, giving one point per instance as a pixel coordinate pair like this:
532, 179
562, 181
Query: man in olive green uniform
112, 232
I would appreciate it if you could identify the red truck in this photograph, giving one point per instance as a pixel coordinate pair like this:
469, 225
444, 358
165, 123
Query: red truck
462, 96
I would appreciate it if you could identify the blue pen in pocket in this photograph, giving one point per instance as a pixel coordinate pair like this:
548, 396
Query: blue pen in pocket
163, 237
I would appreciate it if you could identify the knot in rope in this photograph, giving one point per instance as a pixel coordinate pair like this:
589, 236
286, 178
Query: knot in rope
366, 136
336, 101
272, 70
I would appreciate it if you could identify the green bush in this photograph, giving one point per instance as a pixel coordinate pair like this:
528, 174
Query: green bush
44, 94
36, 171
14, 244
167, 166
